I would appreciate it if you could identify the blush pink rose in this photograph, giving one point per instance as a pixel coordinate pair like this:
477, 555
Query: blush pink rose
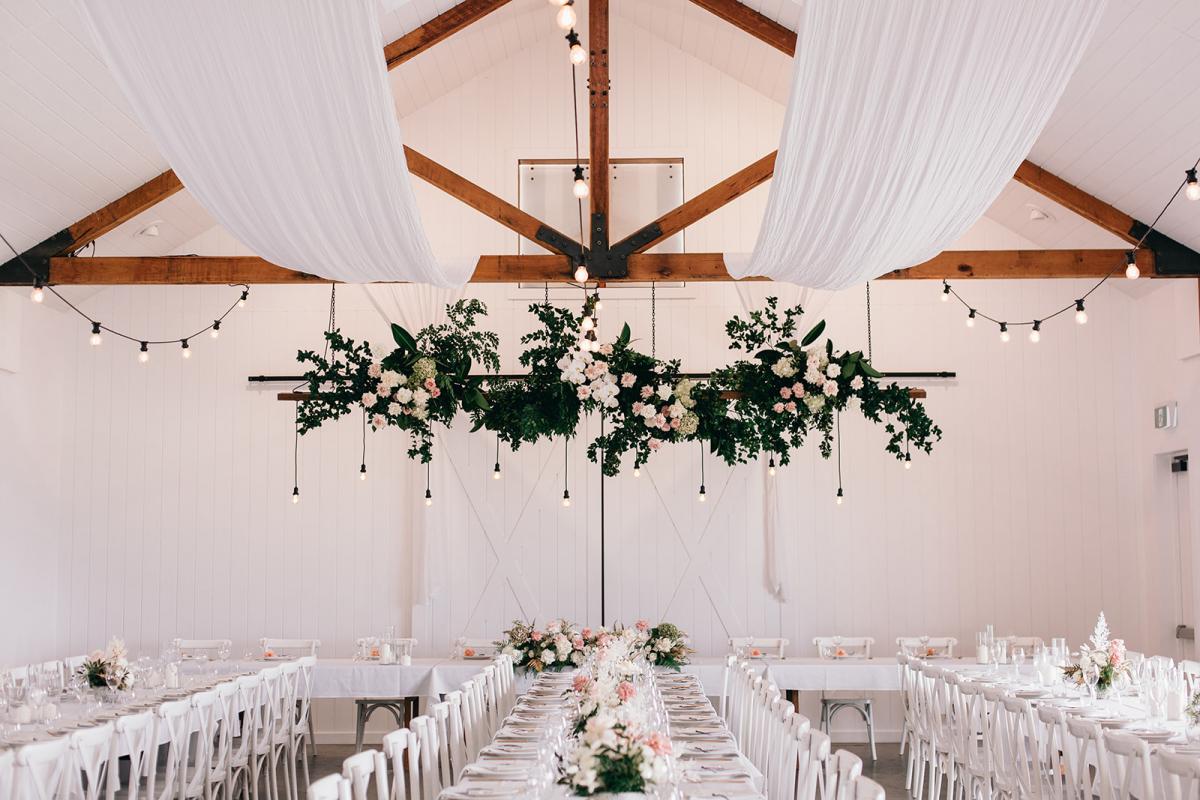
798, 389
637, 407
435, 392
646, 392
429, 383
785, 393
777, 408
642, 625
625, 690
628, 379
791, 406
587, 633
581, 683
675, 423
654, 443
536, 636
577, 642
660, 744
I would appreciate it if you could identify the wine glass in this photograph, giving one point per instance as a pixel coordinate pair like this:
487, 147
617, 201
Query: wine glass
1018, 661
1091, 677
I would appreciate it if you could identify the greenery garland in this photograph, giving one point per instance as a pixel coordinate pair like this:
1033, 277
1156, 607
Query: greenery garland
768, 403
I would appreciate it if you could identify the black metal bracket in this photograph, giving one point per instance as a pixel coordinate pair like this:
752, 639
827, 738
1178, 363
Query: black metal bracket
15, 271
604, 261
563, 244
1171, 258
637, 240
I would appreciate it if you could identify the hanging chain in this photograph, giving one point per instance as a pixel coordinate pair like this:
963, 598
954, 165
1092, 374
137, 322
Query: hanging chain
653, 318
332, 324
870, 350
547, 295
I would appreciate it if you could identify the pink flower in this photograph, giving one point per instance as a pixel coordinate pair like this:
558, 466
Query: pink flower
637, 406
584, 392
603, 640
429, 383
646, 392
628, 379
675, 423
587, 633
369, 399
435, 392
785, 393
791, 406
642, 625
660, 744
625, 690
581, 683
606, 349
777, 408
577, 642
379, 420
536, 636
654, 443
665, 427
798, 390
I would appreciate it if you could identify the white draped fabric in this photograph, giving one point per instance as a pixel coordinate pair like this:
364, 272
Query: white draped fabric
904, 123
277, 116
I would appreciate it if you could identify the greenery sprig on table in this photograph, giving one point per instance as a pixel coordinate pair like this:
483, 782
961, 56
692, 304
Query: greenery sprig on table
769, 402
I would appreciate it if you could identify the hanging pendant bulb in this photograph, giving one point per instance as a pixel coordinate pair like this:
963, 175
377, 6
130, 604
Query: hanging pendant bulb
94, 340
1192, 189
362, 472
557, 3
242, 300
840, 496
1004, 336
908, 461
216, 329
587, 324
566, 501
701, 497
295, 495
577, 54
496, 472
144, 353
771, 466
945, 292
1035, 335
580, 186
428, 497
971, 319
599, 305
184, 349
581, 273
38, 294
566, 18
1080, 314
637, 472
1131, 267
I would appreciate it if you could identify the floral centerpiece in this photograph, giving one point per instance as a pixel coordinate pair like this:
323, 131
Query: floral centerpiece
108, 668
556, 647
664, 645
1102, 653
614, 756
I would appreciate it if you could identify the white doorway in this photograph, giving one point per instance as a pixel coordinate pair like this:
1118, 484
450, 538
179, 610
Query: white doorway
1179, 547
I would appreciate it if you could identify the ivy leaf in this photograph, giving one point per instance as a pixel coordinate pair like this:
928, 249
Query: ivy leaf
623, 339
812, 335
403, 337
868, 370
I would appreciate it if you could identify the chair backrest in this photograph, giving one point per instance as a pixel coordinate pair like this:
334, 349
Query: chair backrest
202, 648
1086, 742
1127, 772
465, 647
91, 758
1026, 643
456, 735
395, 749
40, 770
1017, 732
863, 788
363, 769
1055, 748
331, 787
136, 736
203, 721
726, 678
285, 721
175, 718
843, 646
271, 708
425, 734
440, 715
304, 689
927, 646
289, 647
843, 768
491, 698
1180, 775
814, 757
248, 702
758, 646
1191, 675
7, 778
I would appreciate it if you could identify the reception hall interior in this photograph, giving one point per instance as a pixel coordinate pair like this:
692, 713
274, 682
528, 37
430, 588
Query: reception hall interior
457, 399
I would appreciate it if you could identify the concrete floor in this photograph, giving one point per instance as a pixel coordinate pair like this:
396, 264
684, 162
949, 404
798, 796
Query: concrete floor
888, 771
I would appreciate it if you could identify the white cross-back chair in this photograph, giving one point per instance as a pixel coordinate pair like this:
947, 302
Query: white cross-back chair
1085, 738
927, 646
969, 725
331, 787
284, 727
1055, 748
135, 736
843, 767
395, 751
456, 736
1018, 773
364, 769
814, 754
262, 746
863, 788
196, 773
439, 714
758, 646
1127, 771
838, 647
202, 648
290, 647
40, 770
242, 712
175, 719
425, 736
1180, 775
91, 758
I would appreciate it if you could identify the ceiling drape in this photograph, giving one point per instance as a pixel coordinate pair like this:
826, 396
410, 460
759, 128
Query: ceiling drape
904, 123
278, 117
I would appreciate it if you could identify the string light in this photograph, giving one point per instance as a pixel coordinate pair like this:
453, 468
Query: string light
185, 350
581, 273
241, 303
557, 2
144, 353
295, 495
566, 18
1192, 186
839, 496
38, 294
771, 466
566, 501
587, 323
637, 472
496, 469
971, 319
945, 292
580, 187
1131, 267
908, 460
94, 340
1080, 314
216, 329
1035, 335
577, 54
1004, 336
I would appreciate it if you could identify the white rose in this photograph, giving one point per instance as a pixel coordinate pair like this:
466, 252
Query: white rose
547, 656
404, 394
677, 409
420, 396
664, 391
833, 371
389, 378
830, 388
856, 383
393, 408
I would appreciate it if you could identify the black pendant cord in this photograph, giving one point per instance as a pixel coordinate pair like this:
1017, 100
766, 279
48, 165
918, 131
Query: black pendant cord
839, 454
603, 614
363, 468
1077, 304
578, 166
496, 469
296, 456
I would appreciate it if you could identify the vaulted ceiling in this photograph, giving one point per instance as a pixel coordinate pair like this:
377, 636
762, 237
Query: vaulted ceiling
69, 144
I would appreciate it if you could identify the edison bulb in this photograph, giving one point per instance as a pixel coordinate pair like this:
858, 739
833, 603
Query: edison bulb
1192, 190
839, 499
578, 54
580, 188
771, 471
362, 473
1081, 317
1035, 336
702, 497
143, 355
599, 306
1132, 271
496, 474
637, 473
295, 496
907, 461
187, 352
581, 273
95, 340
557, 2
37, 295
566, 18
215, 333
241, 302
566, 502
1005, 336
587, 323
428, 501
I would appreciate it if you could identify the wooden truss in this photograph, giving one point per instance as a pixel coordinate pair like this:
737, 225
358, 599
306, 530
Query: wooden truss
626, 260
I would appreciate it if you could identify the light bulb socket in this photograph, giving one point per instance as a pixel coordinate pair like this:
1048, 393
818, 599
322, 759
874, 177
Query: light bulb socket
245, 295
295, 494
183, 343
216, 325
1004, 327
573, 39
96, 328
145, 348
1193, 184
839, 494
362, 470
566, 494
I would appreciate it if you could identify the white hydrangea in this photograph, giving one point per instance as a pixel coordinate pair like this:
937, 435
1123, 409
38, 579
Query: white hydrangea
784, 367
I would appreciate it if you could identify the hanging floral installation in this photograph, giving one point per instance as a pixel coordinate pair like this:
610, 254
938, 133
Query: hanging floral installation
769, 402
